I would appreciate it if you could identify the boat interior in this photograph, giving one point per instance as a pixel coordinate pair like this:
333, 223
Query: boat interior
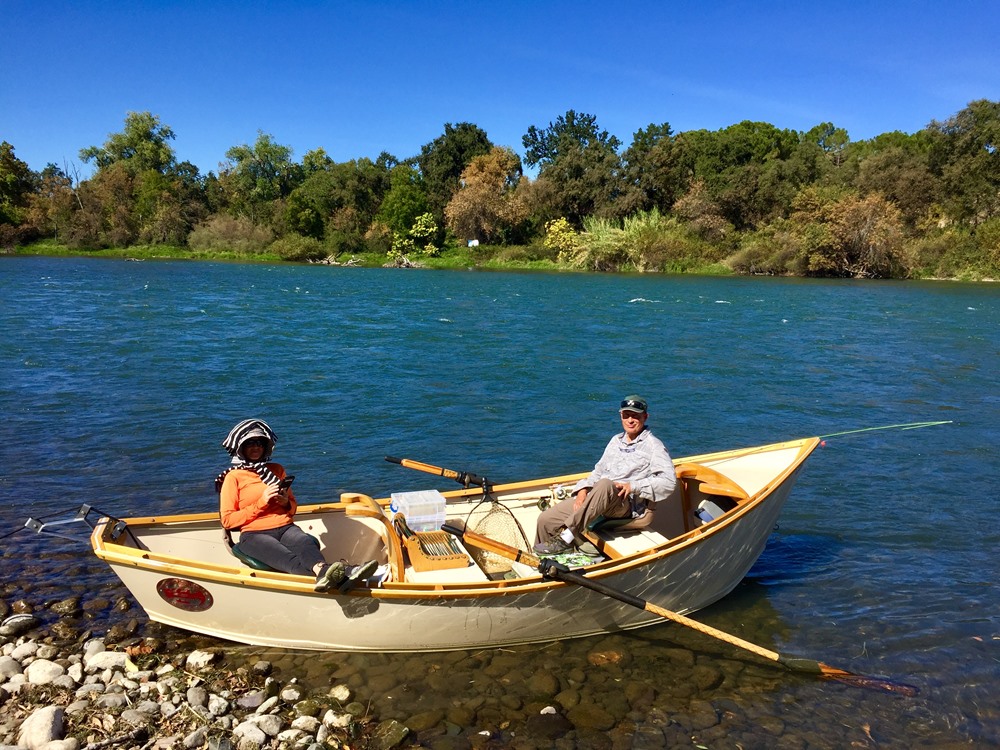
359, 528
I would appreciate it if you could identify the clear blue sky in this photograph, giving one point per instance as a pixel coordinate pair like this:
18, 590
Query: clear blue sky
357, 78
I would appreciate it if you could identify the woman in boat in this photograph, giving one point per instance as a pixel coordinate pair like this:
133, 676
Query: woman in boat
256, 498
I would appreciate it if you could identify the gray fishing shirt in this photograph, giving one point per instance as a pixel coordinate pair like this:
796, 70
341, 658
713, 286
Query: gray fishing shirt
644, 463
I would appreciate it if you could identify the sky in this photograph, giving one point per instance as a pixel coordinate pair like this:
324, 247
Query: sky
360, 78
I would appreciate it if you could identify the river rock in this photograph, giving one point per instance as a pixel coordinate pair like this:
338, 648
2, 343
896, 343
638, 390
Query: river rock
9, 666
590, 716
388, 734
43, 671
43, 726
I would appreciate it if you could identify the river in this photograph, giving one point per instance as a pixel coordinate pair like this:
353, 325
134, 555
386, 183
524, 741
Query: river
118, 380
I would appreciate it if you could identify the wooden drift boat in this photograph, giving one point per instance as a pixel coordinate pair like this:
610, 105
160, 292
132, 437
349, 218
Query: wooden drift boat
433, 593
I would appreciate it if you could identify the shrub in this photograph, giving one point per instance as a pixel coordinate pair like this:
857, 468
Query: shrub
235, 234
296, 247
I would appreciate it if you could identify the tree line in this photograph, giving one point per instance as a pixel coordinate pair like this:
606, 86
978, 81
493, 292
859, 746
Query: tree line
750, 198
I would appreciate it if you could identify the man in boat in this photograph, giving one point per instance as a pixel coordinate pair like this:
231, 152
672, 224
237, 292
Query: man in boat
633, 474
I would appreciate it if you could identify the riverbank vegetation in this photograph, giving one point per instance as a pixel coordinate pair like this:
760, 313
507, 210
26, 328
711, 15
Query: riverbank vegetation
749, 199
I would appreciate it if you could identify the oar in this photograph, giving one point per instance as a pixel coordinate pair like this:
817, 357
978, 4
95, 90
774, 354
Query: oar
464, 478
551, 569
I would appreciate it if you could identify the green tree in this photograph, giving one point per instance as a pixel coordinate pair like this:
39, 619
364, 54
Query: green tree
650, 175
579, 168
143, 145
833, 141
966, 154
405, 200
443, 160
570, 133
16, 186
256, 177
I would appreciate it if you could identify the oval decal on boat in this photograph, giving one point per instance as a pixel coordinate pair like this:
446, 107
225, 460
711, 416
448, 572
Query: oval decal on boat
186, 595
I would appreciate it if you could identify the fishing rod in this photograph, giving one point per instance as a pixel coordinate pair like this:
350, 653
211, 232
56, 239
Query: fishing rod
909, 426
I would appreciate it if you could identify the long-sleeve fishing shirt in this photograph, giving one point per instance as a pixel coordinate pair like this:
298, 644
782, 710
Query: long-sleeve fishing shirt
644, 463
242, 504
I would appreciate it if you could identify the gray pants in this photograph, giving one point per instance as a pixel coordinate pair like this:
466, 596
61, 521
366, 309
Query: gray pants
287, 548
601, 500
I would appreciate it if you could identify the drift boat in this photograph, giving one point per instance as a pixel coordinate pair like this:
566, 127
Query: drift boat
434, 593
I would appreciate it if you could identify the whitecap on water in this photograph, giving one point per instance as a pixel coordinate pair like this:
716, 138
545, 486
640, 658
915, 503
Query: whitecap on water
642, 299
723, 302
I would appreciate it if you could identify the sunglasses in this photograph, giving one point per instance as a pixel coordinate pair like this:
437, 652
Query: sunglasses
632, 405
259, 442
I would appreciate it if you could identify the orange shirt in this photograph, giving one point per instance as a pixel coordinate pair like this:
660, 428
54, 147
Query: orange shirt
242, 506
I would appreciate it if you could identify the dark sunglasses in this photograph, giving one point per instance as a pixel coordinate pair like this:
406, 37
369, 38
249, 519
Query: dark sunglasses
632, 405
255, 441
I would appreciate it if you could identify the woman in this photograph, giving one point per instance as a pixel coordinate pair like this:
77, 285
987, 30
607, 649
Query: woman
253, 499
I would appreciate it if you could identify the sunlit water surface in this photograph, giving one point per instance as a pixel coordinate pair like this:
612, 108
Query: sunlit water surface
118, 380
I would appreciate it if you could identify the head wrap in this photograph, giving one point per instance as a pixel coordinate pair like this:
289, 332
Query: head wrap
245, 430
242, 432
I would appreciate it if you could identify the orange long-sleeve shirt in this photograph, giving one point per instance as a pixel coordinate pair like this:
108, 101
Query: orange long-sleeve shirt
242, 506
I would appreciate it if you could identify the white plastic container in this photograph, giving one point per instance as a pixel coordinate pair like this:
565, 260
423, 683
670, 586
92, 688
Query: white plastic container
708, 511
424, 510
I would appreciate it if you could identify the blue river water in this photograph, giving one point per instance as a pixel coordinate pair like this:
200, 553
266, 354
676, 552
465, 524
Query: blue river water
118, 380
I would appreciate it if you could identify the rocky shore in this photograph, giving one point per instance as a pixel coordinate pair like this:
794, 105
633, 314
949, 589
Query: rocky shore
90, 693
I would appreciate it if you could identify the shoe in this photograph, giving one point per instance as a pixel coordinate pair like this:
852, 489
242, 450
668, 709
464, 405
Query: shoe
554, 546
588, 549
364, 570
329, 577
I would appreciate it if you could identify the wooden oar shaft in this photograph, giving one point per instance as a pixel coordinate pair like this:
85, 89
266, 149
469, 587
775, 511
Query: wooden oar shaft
552, 571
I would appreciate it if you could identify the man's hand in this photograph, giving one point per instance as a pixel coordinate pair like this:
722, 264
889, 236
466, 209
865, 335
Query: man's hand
624, 489
581, 497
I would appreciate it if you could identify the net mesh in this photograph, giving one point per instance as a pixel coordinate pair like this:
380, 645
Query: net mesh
495, 520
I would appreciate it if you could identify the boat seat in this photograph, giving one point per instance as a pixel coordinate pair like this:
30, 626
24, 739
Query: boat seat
250, 562
627, 523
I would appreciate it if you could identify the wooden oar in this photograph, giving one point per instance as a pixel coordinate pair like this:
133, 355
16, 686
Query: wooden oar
464, 478
551, 569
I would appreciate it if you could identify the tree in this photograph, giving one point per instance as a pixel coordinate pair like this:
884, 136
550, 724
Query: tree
443, 160
832, 140
405, 200
487, 206
256, 176
51, 206
571, 132
650, 175
142, 145
16, 185
852, 236
966, 154
579, 167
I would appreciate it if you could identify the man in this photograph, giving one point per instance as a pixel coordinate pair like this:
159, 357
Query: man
634, 473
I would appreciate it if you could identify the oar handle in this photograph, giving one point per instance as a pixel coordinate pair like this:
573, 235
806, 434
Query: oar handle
464, 478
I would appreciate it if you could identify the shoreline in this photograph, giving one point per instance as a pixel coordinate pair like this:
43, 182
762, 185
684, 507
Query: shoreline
89, 693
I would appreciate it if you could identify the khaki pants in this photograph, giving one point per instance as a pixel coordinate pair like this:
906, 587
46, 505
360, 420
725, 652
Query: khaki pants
601, 500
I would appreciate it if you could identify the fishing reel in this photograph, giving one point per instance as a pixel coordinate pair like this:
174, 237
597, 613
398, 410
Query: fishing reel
557, 493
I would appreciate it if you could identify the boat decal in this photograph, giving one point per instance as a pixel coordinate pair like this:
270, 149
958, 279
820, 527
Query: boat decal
183, 594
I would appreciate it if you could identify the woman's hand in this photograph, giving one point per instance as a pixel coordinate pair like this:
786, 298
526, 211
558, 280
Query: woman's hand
269, 494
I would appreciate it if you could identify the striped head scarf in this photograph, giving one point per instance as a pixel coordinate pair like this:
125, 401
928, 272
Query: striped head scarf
249, 428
